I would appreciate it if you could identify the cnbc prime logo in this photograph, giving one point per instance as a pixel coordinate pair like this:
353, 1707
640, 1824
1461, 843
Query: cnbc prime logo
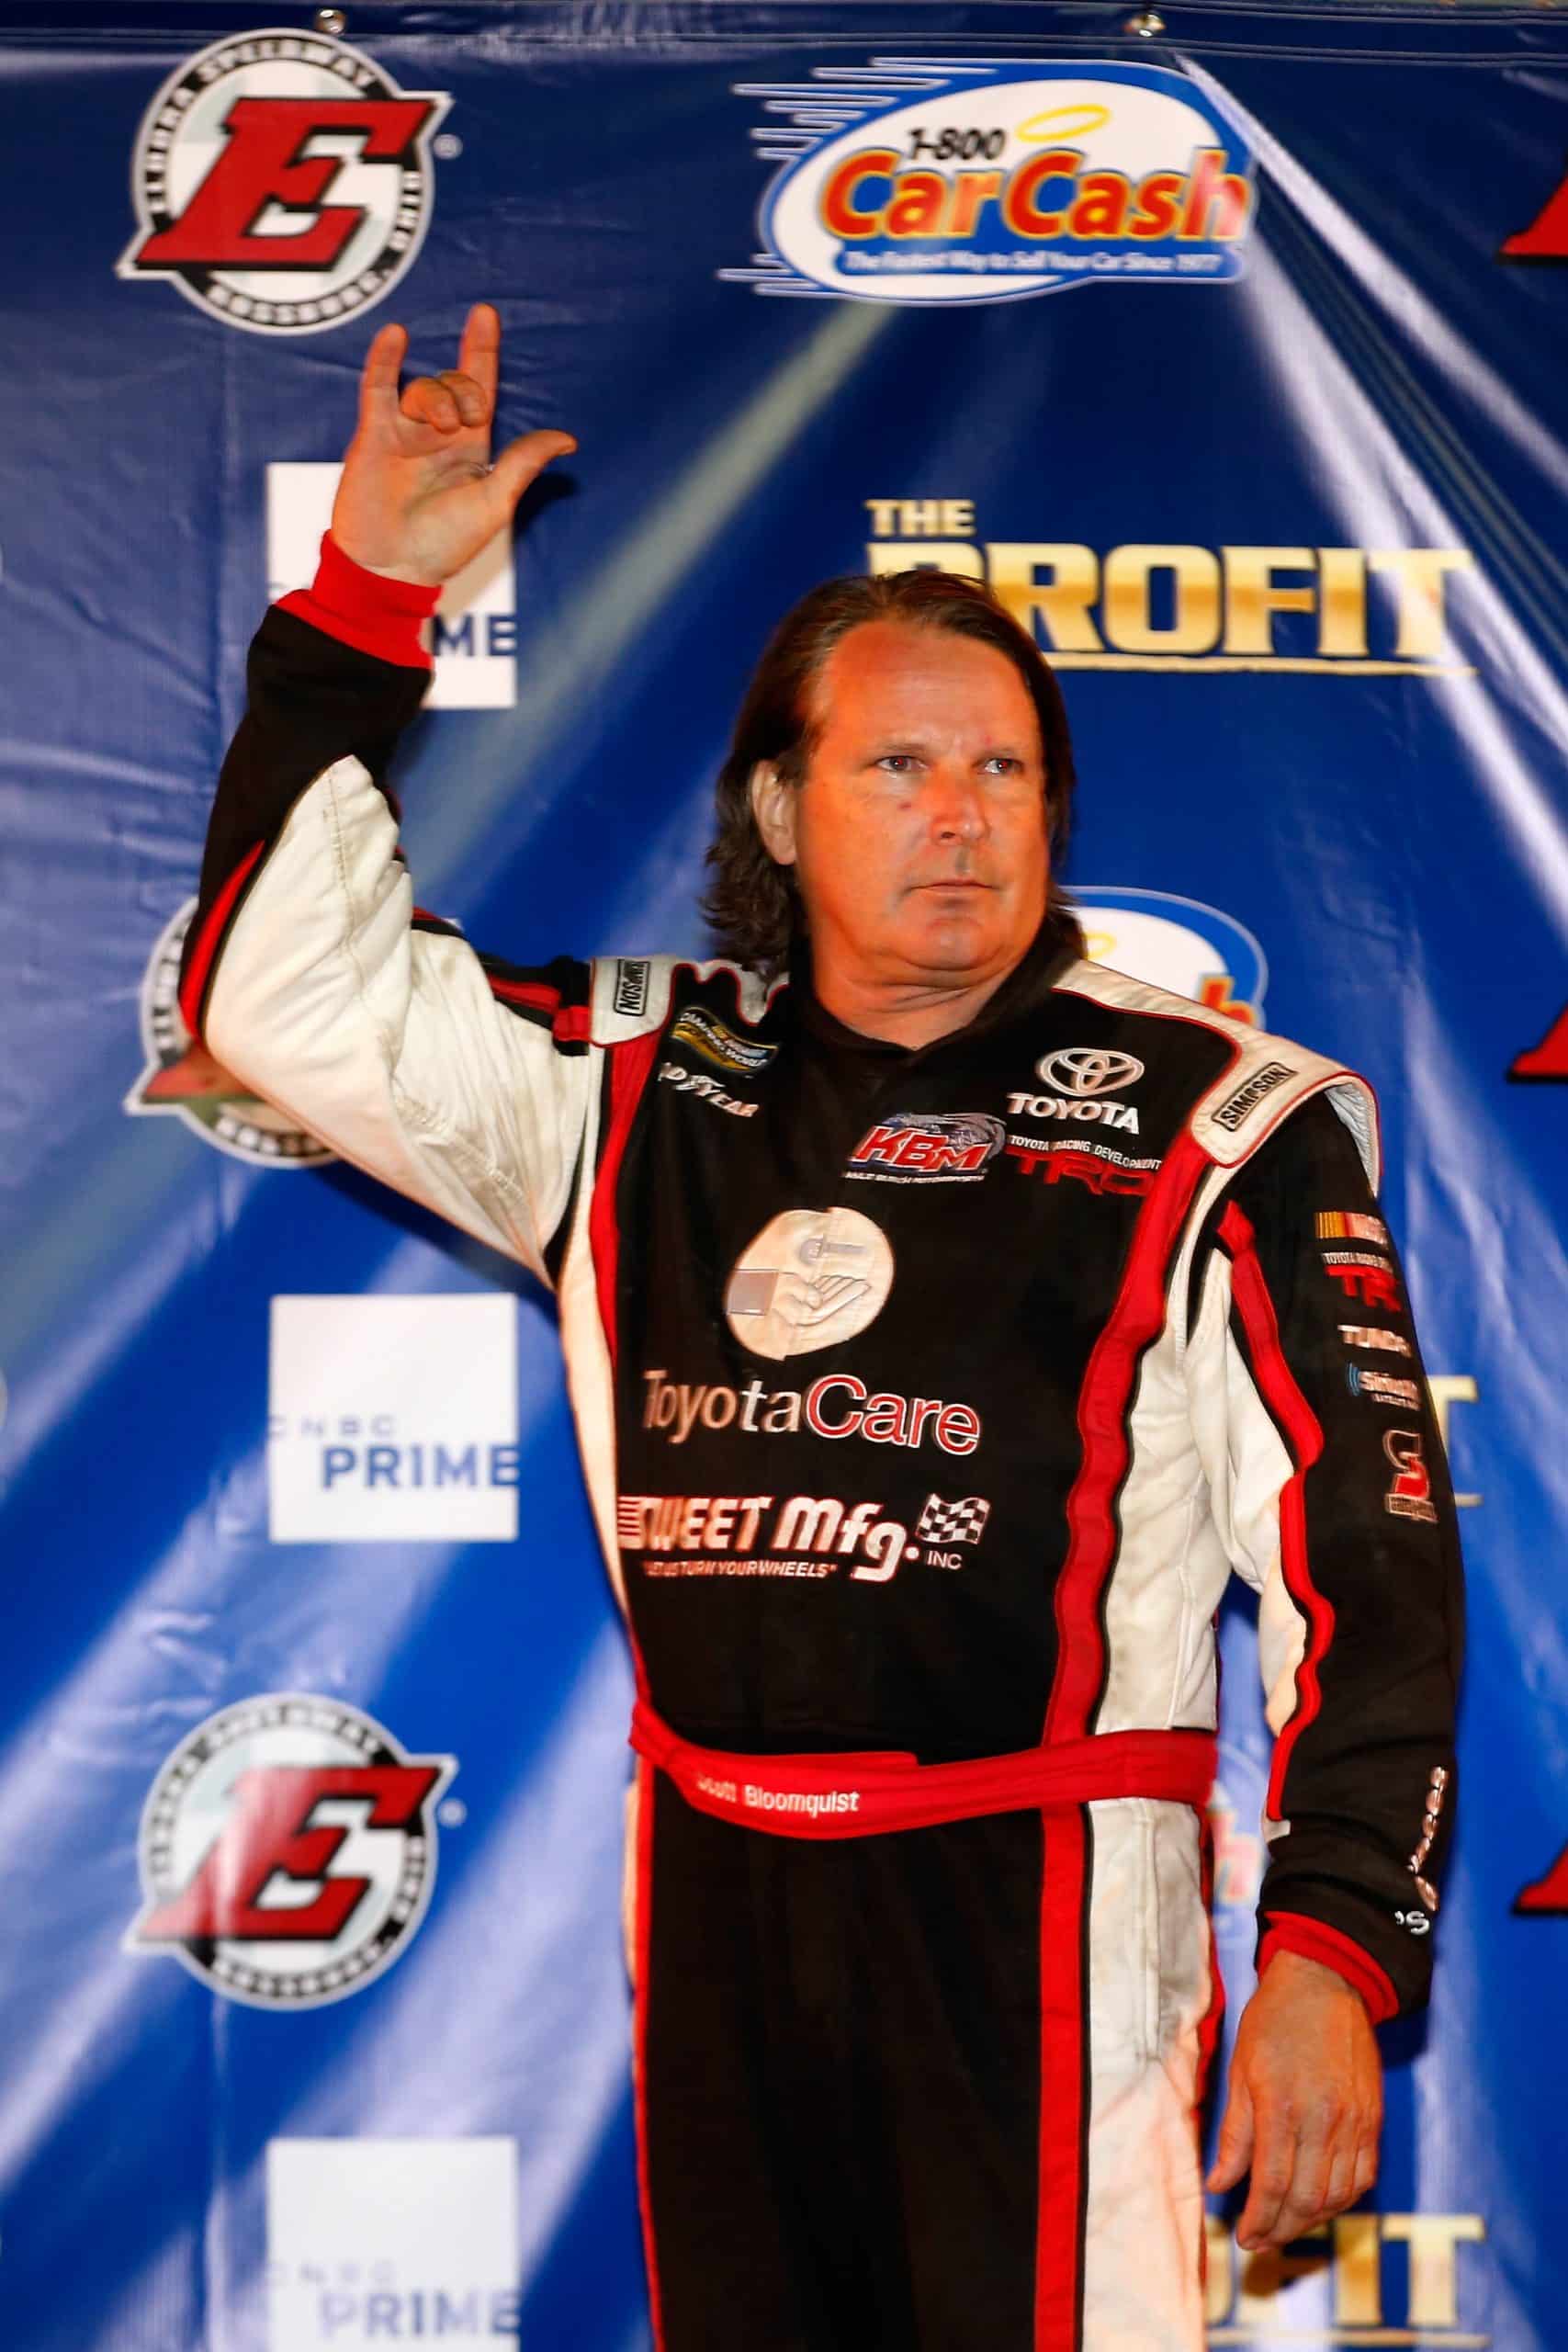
375, 2240
927, 181
282, 181
393, 1420
287, 1851
472, 635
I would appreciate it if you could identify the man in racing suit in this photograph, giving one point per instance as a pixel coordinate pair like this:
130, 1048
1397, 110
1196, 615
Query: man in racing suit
932, 1369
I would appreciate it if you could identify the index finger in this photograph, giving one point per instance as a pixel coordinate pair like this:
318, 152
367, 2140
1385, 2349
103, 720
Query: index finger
479, 354
1274, 2158
378, 380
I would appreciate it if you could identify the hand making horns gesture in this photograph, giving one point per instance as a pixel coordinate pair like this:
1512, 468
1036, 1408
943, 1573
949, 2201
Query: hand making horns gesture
418, 496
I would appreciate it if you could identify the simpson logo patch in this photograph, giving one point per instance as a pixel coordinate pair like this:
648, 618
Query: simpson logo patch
1246, 1098
708, 1036
631, 986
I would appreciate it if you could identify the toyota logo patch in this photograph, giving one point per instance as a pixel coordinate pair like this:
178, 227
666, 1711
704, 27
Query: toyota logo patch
1089, 1069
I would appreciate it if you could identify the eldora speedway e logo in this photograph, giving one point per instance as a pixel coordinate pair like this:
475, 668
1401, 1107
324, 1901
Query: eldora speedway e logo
182, 1077
287, 1851
282, 181
921, 180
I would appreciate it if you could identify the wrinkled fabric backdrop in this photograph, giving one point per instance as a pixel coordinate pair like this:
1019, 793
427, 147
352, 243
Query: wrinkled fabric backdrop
1242, 376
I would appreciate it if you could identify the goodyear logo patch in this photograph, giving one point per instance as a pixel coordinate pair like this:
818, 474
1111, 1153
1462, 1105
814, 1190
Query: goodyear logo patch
708, 1036
920, 181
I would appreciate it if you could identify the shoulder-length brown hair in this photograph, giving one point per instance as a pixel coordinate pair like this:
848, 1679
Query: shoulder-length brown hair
752, 902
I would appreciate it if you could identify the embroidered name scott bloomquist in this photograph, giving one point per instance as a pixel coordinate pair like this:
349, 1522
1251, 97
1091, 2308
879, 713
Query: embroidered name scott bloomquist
836, 1405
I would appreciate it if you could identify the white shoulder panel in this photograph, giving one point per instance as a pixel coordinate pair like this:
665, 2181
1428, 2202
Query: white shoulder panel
1271, 1078
631, 993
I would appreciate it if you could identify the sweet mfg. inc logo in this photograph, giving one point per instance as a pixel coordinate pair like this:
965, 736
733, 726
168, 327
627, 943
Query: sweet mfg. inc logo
282, 181
920, 180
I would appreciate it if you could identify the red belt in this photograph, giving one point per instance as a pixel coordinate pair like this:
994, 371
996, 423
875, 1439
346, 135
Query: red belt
858, 1795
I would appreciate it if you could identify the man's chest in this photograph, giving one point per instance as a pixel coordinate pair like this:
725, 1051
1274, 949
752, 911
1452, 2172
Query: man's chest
941, 1238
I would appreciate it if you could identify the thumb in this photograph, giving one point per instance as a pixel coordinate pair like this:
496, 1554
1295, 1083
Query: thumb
1237, 2134
522, 460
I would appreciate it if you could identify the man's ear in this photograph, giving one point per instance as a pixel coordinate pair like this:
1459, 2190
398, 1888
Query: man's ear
774, 806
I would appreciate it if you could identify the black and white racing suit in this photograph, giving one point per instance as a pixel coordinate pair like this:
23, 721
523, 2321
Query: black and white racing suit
927, 1399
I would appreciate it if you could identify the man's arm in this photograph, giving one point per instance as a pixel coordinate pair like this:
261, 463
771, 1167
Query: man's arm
310, 974
1330, 1488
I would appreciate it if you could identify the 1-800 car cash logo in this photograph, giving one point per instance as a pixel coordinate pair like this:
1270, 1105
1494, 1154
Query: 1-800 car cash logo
287, 1851
236, 160
927, 181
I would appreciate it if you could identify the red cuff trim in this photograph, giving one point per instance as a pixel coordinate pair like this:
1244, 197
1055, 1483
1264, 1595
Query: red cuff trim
1289, 1931
360, 608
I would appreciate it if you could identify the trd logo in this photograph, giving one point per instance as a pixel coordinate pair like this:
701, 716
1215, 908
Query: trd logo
1371, 1286
1083, 1168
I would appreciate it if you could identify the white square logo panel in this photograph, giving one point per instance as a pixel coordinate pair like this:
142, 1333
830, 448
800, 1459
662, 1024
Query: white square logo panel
475, 627
391, 2241
393, 1420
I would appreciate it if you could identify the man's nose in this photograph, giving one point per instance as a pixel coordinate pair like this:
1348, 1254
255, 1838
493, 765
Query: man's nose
957, 806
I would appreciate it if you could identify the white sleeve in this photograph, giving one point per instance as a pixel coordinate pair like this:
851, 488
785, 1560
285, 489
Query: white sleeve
388, 1041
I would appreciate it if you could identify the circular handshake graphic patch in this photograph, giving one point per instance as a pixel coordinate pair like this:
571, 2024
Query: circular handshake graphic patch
809, 1279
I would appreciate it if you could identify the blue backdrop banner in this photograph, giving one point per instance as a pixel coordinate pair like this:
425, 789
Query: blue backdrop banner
1228, 346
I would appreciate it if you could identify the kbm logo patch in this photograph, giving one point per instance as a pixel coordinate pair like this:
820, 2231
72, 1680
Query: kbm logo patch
283, 182
923, 1144
287, 1851
181, 1076
920, 181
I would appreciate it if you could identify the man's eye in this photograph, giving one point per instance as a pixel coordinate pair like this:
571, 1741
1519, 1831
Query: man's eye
1000, 764
898, 762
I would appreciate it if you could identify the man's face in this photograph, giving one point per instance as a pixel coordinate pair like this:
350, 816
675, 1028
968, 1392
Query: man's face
919, 835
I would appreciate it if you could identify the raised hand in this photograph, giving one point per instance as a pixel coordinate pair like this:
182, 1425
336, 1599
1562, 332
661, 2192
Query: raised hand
419, 495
